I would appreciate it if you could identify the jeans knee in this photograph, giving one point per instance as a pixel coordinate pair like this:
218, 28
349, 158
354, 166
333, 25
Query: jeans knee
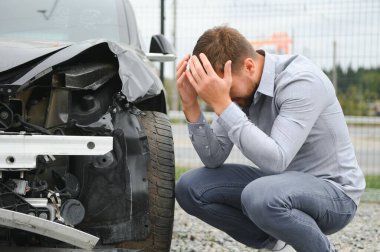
184, 192
253, 200
182, 188
260, 202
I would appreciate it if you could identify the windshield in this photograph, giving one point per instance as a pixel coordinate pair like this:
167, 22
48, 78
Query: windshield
62, 20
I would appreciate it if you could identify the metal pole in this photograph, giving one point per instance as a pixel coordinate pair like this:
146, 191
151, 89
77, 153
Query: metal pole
334, 72
174, 92
162, 32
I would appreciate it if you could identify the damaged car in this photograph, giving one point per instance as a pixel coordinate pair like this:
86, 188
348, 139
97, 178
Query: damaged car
86, 148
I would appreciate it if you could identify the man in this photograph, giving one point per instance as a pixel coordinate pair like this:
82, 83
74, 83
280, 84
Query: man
281, 111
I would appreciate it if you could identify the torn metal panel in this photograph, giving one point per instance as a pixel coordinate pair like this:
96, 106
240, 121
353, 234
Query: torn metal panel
47, 228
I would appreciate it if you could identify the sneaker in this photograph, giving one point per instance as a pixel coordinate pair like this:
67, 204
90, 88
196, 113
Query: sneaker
283, 247
280, 247
286, 248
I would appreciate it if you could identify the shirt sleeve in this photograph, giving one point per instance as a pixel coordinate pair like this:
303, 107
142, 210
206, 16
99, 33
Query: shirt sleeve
300, 104
210, 142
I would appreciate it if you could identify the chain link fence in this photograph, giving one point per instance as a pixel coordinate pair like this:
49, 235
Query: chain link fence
341, 36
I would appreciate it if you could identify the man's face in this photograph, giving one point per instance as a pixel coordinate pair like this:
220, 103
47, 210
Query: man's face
242, 89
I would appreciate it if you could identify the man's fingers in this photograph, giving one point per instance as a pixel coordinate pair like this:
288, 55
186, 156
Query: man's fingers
186, 58
181, 69
181, 79
206, 64
228, 71
192, 80
194, 71
198, 67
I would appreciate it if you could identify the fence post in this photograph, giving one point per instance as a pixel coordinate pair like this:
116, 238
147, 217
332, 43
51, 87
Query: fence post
162, 22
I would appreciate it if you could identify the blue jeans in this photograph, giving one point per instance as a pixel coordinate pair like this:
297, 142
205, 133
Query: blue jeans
258, 210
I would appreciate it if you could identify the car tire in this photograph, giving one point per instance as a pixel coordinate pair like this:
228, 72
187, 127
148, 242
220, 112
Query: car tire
161, 176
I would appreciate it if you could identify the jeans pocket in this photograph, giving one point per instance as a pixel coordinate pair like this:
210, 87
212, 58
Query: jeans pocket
331, 222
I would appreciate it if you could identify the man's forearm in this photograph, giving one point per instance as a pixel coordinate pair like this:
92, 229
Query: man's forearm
211, 143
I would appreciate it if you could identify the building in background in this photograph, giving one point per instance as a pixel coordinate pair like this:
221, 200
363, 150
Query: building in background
279, 43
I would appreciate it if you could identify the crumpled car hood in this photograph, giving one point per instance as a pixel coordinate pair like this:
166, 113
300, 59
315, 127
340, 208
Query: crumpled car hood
137, 77
14, 54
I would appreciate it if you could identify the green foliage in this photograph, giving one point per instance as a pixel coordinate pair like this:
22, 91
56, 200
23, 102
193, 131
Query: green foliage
358, 90
353, 101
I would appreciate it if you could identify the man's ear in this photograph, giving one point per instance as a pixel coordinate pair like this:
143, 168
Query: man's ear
249, 65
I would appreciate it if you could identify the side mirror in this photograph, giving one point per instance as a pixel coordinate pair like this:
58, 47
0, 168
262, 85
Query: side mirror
160, 44
161, 49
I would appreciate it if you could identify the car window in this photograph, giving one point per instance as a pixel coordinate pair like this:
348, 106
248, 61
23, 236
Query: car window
63, 20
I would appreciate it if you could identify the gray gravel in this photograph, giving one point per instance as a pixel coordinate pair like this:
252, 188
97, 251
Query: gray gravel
192, 235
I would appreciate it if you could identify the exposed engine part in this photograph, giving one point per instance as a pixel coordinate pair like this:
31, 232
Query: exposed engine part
71, 185
43, 216
36, 102
58, 108
72, 212
42, 203
12, 201
67, 183
49, 158
37, 202
8, 89
88, 107
21, 186
32, 126
6, 116
89, 104
52, 211
56, 201
39, 186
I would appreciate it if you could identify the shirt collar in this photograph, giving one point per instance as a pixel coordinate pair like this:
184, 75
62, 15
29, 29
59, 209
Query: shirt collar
266, 85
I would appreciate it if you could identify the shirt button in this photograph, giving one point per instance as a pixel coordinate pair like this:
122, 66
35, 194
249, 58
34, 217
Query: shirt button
206, 146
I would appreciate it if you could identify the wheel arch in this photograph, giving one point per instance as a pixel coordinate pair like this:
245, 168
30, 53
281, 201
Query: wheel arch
156, 103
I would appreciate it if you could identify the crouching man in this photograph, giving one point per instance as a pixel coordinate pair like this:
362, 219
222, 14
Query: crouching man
281, 111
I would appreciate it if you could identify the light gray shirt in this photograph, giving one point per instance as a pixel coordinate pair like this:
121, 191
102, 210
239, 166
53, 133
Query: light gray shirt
295, 123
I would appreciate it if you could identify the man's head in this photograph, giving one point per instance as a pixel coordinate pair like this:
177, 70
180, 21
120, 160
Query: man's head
223, 43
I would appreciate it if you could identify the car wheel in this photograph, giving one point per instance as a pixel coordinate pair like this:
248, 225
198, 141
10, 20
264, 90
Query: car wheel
161, 175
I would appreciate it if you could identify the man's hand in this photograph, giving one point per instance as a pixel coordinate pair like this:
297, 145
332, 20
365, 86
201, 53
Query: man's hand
187, 92
214, 90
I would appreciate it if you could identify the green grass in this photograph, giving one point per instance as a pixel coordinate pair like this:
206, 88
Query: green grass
179, 171
373, 181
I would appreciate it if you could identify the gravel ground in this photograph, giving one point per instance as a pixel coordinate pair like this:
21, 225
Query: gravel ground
192, 235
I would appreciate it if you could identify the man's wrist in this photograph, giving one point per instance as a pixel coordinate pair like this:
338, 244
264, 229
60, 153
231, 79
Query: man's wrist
192, 111
221, 106
231, 116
